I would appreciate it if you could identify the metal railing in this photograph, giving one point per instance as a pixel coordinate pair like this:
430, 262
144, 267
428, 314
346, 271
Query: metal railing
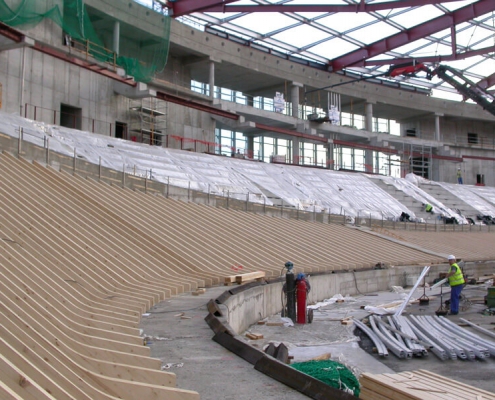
145, 179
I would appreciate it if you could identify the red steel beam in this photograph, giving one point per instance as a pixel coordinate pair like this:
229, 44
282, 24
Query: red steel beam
487, 82
11, 33
184, 7
82, 63
291, 133
358, 57
197, 106
320, 8
433, 59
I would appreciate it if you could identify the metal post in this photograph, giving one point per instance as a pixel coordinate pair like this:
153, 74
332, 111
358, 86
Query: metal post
344, 217
247, 201
146, 182
208, 194
19, 144
188, 190
297, 213
282, 208
99, 169
228, 197
291, 295
382, 220
123, 175
314, 213
264, 205
168, 185
370, 220
47, 152
134, 169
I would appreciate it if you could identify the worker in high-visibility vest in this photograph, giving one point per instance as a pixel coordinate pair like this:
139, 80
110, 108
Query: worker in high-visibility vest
456, 282
459, 176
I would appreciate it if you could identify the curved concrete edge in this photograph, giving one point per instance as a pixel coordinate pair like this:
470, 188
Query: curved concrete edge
270, 366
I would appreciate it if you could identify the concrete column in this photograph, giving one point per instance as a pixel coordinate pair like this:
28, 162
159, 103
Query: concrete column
116, 37
368, 160
368, 118
330, 160
250, 146
211, 81
437, 126
295, 150
294, 98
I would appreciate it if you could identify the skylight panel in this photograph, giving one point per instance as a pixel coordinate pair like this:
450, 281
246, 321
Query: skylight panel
301, 36
345, 22
463, 64
457, 4
373, 33
485, 68
417, 16
473, 35
333, 48
431, 50
264, 23
415, 46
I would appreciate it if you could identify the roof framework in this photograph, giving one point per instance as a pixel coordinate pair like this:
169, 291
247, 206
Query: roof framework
363, 37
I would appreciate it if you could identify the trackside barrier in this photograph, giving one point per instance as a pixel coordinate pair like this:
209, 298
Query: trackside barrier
270, 366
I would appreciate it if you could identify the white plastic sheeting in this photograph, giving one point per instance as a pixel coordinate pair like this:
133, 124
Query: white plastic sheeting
311, 189
476, 197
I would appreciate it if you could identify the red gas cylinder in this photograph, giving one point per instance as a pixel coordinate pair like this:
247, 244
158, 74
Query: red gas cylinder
301, 292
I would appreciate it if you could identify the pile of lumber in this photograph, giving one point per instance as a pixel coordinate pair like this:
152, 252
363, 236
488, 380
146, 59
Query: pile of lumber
417, 385
243, 278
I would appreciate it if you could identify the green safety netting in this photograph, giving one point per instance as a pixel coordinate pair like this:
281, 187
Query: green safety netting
332, 373
75, 20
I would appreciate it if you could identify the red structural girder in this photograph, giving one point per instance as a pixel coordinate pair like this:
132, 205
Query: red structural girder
182, 7
487, 82
359, 57
435, 59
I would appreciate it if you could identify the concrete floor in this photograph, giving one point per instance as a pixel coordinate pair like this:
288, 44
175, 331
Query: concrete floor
183, 343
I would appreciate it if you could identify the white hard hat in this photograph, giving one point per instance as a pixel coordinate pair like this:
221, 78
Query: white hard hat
451, 257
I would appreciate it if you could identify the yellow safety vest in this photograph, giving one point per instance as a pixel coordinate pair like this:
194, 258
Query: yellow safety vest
456, 279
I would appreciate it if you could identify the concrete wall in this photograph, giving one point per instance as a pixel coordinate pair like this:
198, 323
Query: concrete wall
251, 305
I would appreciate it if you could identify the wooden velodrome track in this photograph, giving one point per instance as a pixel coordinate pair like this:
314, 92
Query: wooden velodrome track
82, 260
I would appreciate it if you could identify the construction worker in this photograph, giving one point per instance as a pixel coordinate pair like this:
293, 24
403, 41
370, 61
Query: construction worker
456, 282
459, 176
428, 208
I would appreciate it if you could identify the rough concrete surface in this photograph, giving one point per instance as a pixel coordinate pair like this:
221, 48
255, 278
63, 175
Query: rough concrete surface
184, 344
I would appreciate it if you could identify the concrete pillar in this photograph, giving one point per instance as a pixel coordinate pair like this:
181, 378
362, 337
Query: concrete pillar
250, 146
330, 160
437, 126
211, 81
294, 98
368, 160
116, 37
295, 150
368, 117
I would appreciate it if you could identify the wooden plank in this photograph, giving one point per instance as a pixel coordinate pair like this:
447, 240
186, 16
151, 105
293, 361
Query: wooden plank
238, 347
250, 276
21, 385
295, 379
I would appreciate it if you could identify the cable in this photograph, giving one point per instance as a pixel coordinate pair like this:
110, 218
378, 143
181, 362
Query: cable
355, 283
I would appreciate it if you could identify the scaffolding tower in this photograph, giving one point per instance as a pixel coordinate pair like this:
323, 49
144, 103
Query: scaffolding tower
148, 120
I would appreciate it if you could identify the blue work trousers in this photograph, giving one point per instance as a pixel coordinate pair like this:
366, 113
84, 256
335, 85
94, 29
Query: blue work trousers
455, 292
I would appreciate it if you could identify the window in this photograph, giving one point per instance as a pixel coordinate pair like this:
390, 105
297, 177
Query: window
411, 132
70, 117
472, 138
